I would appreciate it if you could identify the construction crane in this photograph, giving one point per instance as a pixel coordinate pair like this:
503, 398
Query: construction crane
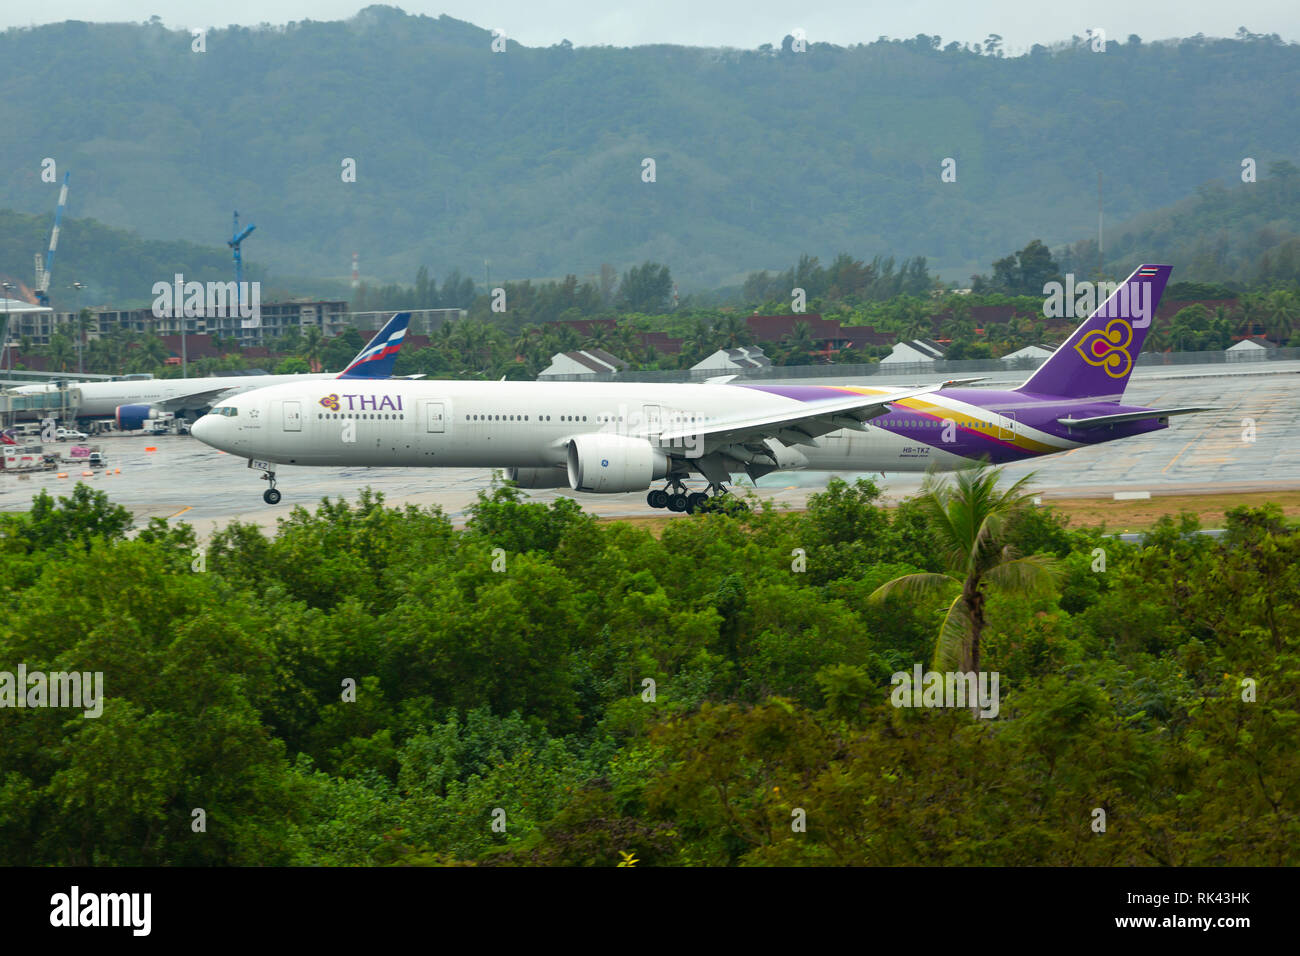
237, 237
42, 289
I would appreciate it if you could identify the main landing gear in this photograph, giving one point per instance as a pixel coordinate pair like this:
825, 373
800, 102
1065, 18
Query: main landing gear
675, 497
270, 496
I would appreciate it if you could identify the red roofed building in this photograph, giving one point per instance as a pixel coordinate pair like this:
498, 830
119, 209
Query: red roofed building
586, 326
861, 336
661, 342
774, 328
196, 346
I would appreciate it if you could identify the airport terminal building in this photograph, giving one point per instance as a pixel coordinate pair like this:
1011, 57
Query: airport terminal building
330, 316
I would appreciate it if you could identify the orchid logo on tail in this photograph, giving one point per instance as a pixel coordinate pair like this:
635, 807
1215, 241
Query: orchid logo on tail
1108, 349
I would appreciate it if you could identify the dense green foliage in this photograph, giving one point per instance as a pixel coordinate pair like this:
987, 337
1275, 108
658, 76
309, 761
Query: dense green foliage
532, 158
502, 666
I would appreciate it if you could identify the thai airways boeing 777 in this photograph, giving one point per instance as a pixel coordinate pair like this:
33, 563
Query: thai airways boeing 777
620, 437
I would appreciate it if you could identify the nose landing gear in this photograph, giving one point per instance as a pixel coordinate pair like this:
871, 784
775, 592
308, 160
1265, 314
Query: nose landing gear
271, 496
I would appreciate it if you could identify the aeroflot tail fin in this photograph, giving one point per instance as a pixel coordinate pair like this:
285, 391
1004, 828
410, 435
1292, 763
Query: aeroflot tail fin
1096, 361
379, 356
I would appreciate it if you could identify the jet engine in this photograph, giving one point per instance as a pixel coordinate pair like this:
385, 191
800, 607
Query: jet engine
609, 464
557, 477
131, 417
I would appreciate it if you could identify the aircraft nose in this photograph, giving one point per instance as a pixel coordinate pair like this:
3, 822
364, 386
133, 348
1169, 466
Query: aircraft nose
205, 429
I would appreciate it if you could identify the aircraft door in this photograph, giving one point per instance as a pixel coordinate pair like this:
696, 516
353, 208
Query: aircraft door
293, 416
650, 413
435, 417
1007, 426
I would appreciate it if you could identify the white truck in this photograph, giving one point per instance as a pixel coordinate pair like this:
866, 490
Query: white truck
165, 424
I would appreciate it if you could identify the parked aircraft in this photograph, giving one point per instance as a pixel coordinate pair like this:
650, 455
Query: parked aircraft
130, 403
607, 438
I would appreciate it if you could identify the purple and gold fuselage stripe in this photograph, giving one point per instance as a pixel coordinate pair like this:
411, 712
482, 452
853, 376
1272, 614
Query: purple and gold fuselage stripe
964, 421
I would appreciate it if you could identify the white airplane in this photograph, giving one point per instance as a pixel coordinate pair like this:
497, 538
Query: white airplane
130, 403
612, 437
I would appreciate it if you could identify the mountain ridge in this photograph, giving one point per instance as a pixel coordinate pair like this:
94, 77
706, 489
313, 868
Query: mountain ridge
532, 159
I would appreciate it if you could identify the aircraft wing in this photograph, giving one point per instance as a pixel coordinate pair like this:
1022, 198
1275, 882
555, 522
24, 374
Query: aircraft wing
797, 426
1101, 421
199, 399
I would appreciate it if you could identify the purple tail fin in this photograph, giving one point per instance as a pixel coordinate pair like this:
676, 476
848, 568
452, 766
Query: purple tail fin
1096, 361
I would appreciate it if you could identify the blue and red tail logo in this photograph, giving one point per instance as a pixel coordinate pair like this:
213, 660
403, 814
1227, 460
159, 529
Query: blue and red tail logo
379, 356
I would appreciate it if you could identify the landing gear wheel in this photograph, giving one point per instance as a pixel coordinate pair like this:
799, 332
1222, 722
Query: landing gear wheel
695, 501
677, 503
270, 496
657, 498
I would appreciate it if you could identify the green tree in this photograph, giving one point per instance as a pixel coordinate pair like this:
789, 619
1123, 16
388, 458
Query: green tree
312, 349
799, 345
61, 353
645, 288
150, 353
292, 366
79, 519
969, 516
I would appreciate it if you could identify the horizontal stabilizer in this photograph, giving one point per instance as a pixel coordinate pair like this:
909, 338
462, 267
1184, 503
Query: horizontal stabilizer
1101, 421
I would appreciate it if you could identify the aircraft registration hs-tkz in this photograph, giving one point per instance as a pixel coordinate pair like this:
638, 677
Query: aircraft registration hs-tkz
131, 403
606, 438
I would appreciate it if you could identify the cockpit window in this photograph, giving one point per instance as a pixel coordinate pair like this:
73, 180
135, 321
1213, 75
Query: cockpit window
228, 410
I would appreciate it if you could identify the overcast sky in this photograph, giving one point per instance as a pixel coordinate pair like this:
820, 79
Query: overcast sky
738, 23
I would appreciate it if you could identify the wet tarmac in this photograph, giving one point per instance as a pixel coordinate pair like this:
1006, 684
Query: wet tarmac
1249, 444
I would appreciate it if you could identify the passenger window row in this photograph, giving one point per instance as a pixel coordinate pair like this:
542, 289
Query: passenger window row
379, 415
692, 419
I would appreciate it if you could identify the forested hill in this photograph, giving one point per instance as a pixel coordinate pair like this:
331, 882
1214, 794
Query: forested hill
115, 266
1244, 233
532, 158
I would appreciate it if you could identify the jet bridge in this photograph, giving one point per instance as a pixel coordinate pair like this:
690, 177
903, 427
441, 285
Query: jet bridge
62, 404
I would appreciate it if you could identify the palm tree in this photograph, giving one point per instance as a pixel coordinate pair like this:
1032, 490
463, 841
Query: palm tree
95, 359
1282, 309
114, 348
60, 352
970, 516
1158, 338
1251, 311
699, 341
735, 332
526, 341
914, 321
799, 343
626, 342
600, 337
565, 336
959, 330
290, 341
151, 353
85, 319
313, 347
